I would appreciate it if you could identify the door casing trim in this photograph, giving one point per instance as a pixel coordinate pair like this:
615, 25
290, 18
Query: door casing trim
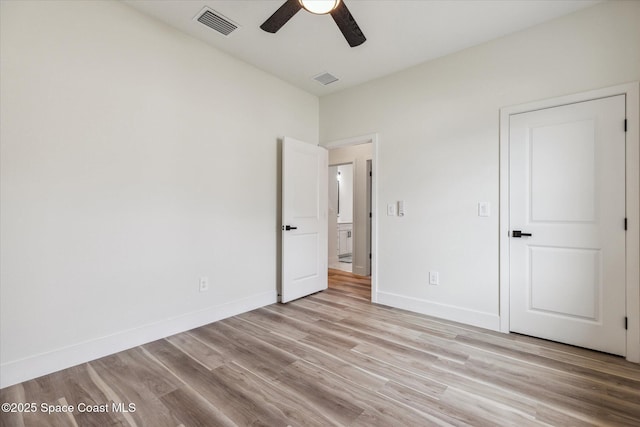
632, 261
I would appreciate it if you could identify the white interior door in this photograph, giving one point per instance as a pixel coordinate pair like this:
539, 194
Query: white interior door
567, 190
304, 219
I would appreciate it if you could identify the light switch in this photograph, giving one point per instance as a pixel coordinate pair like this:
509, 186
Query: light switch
391, 209
401, 208
434, 278
484, 209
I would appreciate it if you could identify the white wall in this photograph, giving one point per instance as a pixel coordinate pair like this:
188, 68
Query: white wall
346, 194
134, 160
357, 155
438, 126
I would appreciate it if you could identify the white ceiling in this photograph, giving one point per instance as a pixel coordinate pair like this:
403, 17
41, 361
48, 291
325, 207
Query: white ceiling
399, 33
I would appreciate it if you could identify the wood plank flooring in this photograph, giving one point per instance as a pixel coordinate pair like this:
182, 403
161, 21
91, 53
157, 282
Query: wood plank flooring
334, 358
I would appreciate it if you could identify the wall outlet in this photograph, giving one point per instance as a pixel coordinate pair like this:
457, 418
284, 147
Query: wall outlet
204, 284
434, 278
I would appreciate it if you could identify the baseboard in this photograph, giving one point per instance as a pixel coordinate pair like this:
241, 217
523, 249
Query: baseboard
42, 364
442, 311
359, 270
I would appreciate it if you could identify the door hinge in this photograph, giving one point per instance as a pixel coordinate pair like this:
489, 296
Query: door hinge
625, 224
371, 174
625, 125
626, 323
370, 215
369, 255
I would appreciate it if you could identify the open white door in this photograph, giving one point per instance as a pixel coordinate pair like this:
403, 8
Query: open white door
304, 219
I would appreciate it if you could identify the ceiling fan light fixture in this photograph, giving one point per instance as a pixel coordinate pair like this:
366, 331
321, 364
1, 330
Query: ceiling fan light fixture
319, 7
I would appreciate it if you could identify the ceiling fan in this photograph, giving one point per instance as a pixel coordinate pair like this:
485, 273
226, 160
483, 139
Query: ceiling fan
336, 8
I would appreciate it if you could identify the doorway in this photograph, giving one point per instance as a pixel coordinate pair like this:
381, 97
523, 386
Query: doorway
341, 217
349, 209
566, 254
358, 236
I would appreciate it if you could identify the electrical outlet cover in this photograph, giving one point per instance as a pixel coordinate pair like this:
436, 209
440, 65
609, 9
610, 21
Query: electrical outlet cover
391, 209
434, 278
484, 209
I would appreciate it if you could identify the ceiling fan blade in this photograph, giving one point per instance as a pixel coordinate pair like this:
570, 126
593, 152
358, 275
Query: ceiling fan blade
348, 25
281, 16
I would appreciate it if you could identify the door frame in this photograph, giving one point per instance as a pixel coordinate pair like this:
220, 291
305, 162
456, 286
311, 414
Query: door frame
632, 179
370, 209
374, 140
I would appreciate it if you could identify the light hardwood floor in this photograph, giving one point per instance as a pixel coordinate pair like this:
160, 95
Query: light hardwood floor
334, 358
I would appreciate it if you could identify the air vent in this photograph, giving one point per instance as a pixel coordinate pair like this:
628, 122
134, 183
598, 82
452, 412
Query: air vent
216, 21
325, 78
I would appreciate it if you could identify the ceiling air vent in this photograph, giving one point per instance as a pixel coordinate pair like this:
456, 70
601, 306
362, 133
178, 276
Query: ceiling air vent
325, 78
216, 21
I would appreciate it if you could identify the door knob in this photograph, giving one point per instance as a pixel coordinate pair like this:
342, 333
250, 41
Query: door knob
518, 234
288, 227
